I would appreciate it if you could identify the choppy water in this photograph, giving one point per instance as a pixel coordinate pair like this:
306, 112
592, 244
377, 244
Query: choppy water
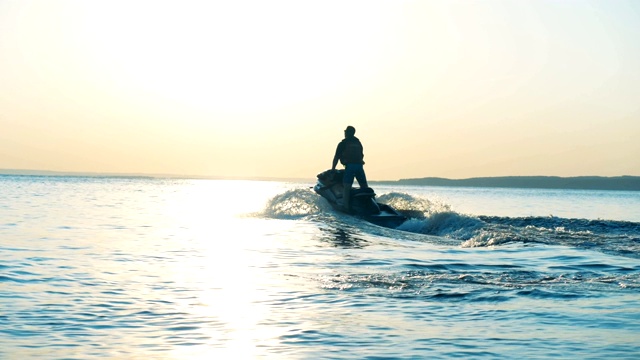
186, 269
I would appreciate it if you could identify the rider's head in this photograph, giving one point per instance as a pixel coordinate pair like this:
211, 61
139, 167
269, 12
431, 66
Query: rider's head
349, 131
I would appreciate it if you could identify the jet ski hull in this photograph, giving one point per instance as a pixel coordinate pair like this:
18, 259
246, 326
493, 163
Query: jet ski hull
362, 201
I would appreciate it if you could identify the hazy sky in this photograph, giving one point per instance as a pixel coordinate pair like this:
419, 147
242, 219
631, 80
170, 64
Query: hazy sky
265, 88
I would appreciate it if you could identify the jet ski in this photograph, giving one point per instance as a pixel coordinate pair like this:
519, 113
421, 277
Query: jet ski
362, 201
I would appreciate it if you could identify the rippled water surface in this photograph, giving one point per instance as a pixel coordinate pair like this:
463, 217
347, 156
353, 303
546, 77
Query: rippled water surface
187, 269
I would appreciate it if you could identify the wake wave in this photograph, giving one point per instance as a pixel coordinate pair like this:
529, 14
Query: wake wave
433, 218
607, 236
615, 237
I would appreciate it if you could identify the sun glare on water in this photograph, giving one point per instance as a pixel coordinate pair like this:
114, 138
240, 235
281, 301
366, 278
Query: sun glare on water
223, 262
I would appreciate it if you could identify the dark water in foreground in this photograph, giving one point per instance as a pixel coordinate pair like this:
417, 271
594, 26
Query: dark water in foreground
179, 269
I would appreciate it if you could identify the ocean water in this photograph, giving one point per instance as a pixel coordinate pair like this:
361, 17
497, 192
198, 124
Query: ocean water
135, 268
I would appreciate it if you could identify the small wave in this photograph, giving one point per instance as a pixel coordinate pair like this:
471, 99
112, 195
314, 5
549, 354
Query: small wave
494, 237
573, 225
446, 224
480, 284
613, 237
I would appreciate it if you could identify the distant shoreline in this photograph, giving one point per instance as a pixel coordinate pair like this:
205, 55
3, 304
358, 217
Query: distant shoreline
619, 183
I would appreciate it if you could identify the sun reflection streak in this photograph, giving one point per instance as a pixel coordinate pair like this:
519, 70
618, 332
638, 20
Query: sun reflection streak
228, 287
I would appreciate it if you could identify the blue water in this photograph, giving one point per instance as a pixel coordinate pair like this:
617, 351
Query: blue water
188, 269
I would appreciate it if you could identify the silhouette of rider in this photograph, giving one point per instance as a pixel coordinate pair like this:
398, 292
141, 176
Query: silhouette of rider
351, 155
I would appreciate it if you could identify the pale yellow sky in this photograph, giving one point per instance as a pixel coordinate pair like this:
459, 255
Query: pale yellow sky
265, 88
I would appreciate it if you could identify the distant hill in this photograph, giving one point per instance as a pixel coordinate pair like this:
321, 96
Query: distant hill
628, 183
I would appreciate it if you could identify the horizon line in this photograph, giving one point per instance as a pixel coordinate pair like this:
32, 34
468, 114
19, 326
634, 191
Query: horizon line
32, 172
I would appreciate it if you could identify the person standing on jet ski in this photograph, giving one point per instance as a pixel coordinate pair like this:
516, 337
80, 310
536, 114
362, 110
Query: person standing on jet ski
351, 155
